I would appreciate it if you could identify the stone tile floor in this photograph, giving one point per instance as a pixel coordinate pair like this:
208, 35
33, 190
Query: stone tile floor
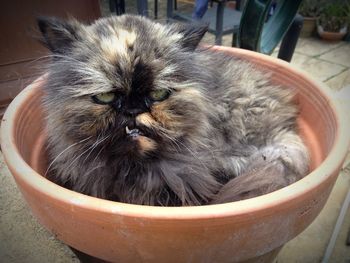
22, 239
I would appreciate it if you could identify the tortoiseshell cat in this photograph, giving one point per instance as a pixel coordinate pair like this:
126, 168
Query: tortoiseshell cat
137, 114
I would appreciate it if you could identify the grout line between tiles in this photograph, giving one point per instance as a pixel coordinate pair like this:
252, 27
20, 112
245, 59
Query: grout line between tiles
345, 69
320, 54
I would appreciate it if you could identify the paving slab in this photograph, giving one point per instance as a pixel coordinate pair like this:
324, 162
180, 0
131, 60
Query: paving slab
22, 238
341, 252
321, 70
299, 59
339, 55
315, 47
339, 81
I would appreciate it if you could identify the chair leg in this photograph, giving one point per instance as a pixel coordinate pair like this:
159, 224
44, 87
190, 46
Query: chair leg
122, 7
169, 9
290, 40
117, 6
175, 4
234, 39
238, 4
111, 5
155, 9
219, 22
142, 8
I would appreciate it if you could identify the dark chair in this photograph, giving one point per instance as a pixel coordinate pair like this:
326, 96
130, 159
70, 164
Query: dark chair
221, 20
117, 6
255, 28
260, 34
156, 8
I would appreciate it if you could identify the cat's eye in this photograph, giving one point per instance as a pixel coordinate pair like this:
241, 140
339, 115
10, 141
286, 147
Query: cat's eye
159, 95
104, 98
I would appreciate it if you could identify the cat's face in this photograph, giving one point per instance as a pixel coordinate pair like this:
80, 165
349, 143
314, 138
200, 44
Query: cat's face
124, 84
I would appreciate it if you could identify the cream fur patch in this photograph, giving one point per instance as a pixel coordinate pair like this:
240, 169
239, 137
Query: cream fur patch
118, 44
146, 119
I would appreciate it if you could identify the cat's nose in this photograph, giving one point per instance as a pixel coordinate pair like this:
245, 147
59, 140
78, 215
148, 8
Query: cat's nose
133, 112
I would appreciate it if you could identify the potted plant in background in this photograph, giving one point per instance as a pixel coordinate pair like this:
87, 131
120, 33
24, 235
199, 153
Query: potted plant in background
310, 10
333, 21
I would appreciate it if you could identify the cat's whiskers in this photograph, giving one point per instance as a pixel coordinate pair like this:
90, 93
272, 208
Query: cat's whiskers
69, 167
95, 145
99, 152
66, 149
50, 56
165, 133
80, 155
176, 142
172, 140
194, 154
93, 169
65, 59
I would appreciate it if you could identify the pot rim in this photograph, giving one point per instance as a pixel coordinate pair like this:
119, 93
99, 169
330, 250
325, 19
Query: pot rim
23, 172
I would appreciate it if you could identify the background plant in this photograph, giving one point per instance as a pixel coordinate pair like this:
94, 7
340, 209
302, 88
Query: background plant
335, 15
311, 8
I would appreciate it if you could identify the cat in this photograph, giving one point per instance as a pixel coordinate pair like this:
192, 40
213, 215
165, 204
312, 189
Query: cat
137, 112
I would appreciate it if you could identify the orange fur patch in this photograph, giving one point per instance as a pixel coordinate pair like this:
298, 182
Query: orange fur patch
146, 144
99, 122
146, 119
163, 115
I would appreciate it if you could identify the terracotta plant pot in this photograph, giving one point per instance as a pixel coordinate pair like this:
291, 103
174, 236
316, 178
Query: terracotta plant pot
331, 36
309, 26
253, 229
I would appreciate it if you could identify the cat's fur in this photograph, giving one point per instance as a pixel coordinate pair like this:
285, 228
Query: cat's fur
224, 133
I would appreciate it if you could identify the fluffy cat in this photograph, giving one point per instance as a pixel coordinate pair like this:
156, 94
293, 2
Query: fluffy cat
137, 113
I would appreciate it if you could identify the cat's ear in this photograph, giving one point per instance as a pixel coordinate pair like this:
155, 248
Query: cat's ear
58, 35
193, 34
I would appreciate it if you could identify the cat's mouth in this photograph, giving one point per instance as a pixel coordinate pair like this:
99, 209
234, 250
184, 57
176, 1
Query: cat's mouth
133, 133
